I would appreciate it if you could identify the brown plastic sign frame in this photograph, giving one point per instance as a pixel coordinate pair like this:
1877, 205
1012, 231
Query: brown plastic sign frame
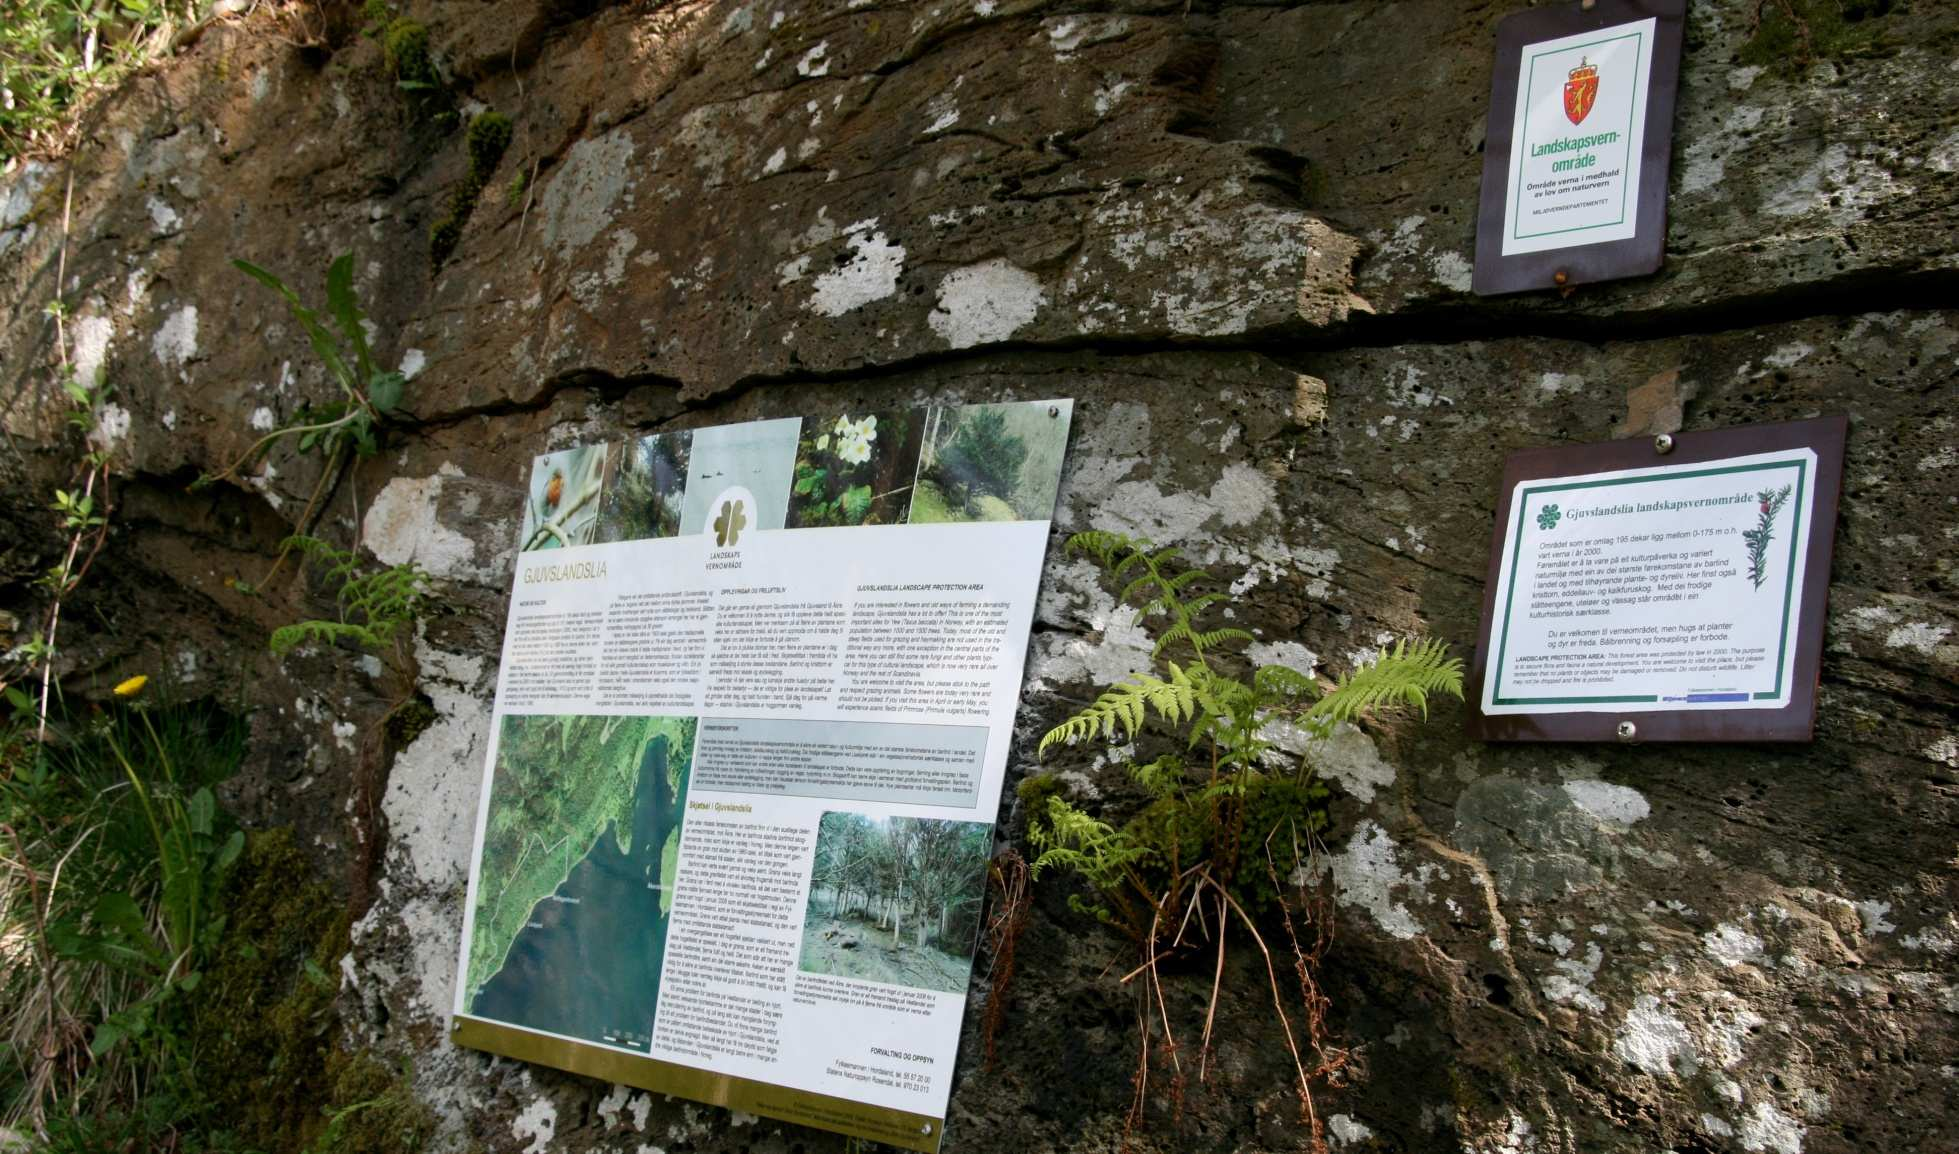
1716, 472
1624, 65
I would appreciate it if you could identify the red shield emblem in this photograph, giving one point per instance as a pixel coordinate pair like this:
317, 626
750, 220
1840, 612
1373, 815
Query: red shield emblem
1580, 92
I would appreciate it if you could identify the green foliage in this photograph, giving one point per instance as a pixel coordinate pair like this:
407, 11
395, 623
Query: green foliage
406, 44
57, 54
114, 856
1231, 808
487, 139
178, 981
375, 606
368, 396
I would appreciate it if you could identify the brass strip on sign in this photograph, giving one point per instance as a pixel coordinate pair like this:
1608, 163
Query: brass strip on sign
920, 1132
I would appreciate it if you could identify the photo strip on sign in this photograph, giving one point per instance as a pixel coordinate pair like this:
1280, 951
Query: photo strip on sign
750, 731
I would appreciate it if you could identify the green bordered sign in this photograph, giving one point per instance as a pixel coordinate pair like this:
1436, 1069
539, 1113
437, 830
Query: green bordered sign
1661, 590
1581, 118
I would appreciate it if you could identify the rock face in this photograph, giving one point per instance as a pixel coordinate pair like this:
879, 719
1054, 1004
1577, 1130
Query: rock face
1240, 236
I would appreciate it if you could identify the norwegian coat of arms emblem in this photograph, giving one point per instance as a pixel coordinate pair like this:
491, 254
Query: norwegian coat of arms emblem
1581, 91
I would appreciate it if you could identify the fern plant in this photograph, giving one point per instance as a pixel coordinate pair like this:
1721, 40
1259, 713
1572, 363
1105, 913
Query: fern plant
375, 607
1231, 817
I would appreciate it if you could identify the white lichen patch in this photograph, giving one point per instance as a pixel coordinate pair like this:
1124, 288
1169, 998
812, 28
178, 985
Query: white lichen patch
432, 789
815, 62
1766, 1128
1570, 983
175, 340
112, 424
1366, 875
1347, 755
1653, 1040
1346, 1131
984, 303
1731, 945
1616, 804
402, 528
871, 274
578, 203
538, 1122
90, 339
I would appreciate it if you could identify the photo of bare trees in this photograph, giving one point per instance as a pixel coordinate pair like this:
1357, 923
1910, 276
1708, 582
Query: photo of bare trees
896, 900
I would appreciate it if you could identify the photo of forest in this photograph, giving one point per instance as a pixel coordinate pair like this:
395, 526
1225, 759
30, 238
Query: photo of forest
645, 481
991, 462
579, 851
896, 900
855, 469
562, 507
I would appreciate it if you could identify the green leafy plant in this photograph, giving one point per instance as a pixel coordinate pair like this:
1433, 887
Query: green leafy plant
113, 852
377, 607
58, 55
1232, 816
353, 423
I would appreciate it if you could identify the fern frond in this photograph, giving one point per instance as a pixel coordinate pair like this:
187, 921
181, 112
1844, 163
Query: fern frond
1126, 705
1160, 776
1405, 675
287, 637
1101, 545
1283, 681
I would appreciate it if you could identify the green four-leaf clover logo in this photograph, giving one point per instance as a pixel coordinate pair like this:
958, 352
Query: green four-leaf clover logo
728, 526
1547, 517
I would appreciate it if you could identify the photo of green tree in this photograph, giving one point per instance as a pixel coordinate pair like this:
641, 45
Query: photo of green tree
855, 469
896, 900
579, 852
562, 508
645, 482
991, 462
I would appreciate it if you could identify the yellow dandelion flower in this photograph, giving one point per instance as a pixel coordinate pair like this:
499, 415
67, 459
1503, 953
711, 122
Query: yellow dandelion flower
133, 686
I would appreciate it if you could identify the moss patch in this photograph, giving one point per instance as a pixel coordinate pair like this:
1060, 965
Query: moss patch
487, 139
263, 1022
1795, 32
406, 43
409, 721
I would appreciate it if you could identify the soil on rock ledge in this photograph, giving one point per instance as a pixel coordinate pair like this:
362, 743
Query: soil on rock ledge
1239, 236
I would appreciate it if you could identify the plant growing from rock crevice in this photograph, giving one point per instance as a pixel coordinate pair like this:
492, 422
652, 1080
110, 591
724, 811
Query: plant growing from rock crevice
342, 429
1228, 838
487, 138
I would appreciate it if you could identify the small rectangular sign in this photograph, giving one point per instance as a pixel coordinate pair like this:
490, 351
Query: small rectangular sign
1581, 116
1678, 594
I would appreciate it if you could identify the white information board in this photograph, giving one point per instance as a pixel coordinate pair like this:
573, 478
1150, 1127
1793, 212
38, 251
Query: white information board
1675, 588
751, 726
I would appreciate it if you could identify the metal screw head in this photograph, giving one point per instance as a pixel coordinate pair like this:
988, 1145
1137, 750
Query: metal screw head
1054, 410
1663, 443
1627, 731
1560, 277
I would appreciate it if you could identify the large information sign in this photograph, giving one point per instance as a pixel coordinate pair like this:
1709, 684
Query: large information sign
1580, 128
750, 731
1667, 590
